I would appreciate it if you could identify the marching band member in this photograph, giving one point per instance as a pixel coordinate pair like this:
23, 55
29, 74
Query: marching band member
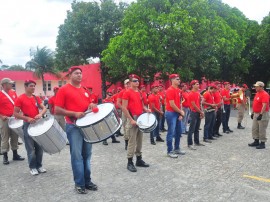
30, 104
93, 96
144, 95
109, 99
196, 114
72, 101
209, 113
123, 117
260, 116
162, 96
241, 106
133, 107
218, 101
155, 106
225, 93
119, 110
60, 119
174, 115
7, 99
185, 105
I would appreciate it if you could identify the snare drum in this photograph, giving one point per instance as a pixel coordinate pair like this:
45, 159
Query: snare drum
48, 134
16, 126
99, 126
147, 122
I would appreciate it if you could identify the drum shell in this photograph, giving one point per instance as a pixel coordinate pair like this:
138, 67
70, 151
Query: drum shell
18, 130
150, 128
102, 129
53, 140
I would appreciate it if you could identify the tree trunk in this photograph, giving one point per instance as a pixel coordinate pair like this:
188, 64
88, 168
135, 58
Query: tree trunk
103, 72
43, 82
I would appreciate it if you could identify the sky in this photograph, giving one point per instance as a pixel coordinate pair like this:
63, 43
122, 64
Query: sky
26, 24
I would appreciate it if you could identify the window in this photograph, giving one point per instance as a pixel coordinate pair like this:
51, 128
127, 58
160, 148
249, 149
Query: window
61, 83
14, 86
49, 85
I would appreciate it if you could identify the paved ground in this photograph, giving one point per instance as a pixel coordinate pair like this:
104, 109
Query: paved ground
215, 172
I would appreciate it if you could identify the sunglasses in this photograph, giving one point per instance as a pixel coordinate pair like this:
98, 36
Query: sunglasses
135, 81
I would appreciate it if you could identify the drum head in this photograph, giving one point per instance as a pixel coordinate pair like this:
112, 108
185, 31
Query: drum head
91, 118
15, 123
41, 126
146, 120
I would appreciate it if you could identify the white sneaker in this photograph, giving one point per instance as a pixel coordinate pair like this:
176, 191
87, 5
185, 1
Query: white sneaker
34, 171
191, 147
178, 151
41, 170
172, 155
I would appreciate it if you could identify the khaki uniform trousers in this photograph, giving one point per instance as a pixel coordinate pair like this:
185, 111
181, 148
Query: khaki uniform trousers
259, 127
241, 112
135, 137
124, 123
61, 121
6, 134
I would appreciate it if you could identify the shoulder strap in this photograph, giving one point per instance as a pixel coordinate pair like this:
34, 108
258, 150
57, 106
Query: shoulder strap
8, 96
37, 102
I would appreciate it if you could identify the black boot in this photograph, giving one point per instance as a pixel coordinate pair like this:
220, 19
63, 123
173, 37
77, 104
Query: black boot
105, 142
152, 141
254, 144
114, 140
159, 139
261, 146
126, 144
240, 126
140, 162
16, 156
130, 166
5, 158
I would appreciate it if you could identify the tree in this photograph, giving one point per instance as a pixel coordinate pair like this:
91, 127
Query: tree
16, 68
41, 62
86, 32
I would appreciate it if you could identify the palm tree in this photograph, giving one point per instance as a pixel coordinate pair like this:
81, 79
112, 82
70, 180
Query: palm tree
41, 62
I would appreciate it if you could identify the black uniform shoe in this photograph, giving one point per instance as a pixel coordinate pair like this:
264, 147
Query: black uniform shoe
130, 166
208, 141
80, 190
5, 159
91, 186
115, 141
218, 134
254, 144
231, 131
105, 142
140, 162
239, 126
159, 139
261, 146
212, 138
153, 142
18, 158
19, 143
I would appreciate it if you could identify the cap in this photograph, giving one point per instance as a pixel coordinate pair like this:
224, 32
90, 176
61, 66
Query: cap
217, 82
55, 88
142, 86
183, 84
244, 85
213, 86
193, 82
119, 88
73, 68
134, 76
154, 86
259, 83
89, 87
108, 91
126, 81
6, 80
30, 81
160, 85
226, 82
172, 76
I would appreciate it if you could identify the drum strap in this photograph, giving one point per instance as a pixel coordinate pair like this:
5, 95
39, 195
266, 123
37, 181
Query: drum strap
37, 102
7, 95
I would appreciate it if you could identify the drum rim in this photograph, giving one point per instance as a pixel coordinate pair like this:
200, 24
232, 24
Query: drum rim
18, 120
151, 125
50, 117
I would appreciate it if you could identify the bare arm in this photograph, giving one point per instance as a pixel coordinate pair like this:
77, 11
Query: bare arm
64, 112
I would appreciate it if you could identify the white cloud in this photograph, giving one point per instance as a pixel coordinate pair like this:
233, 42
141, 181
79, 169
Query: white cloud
31, 23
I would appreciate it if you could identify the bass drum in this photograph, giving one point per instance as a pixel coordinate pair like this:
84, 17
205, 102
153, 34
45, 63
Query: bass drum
16, 125
147, 122
48, 134
99, 126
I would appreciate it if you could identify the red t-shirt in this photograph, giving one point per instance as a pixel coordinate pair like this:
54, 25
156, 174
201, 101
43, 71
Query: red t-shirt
162, 95
172, 94
6, 107
107, 100
217, 97
114, 99
94, 98
154, 99
28, 105
185, 96
226, 93
73, 99
144, 96
259, 99
209, 98
52, 103
120, 95
194, 97
134, 99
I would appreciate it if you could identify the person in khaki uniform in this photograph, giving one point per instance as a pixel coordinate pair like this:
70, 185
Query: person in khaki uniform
133, 107
241, 106
7, 99
260, 116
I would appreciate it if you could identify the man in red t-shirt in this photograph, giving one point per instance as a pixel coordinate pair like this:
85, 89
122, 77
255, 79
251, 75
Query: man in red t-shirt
225, 93
185, 105
155, 106
218, 101
144, 95
133, 107
7, 99
123, 117
60, 119
29, 105
93, 96
209, 113
162, 94
260, 116
174, 114
72, 101
196, 114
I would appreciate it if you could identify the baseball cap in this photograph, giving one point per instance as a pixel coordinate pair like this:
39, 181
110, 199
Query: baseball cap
6, 80
259, 83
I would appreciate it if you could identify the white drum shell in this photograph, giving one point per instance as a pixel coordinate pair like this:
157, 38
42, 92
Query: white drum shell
144, 126
16, 125
53, 140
